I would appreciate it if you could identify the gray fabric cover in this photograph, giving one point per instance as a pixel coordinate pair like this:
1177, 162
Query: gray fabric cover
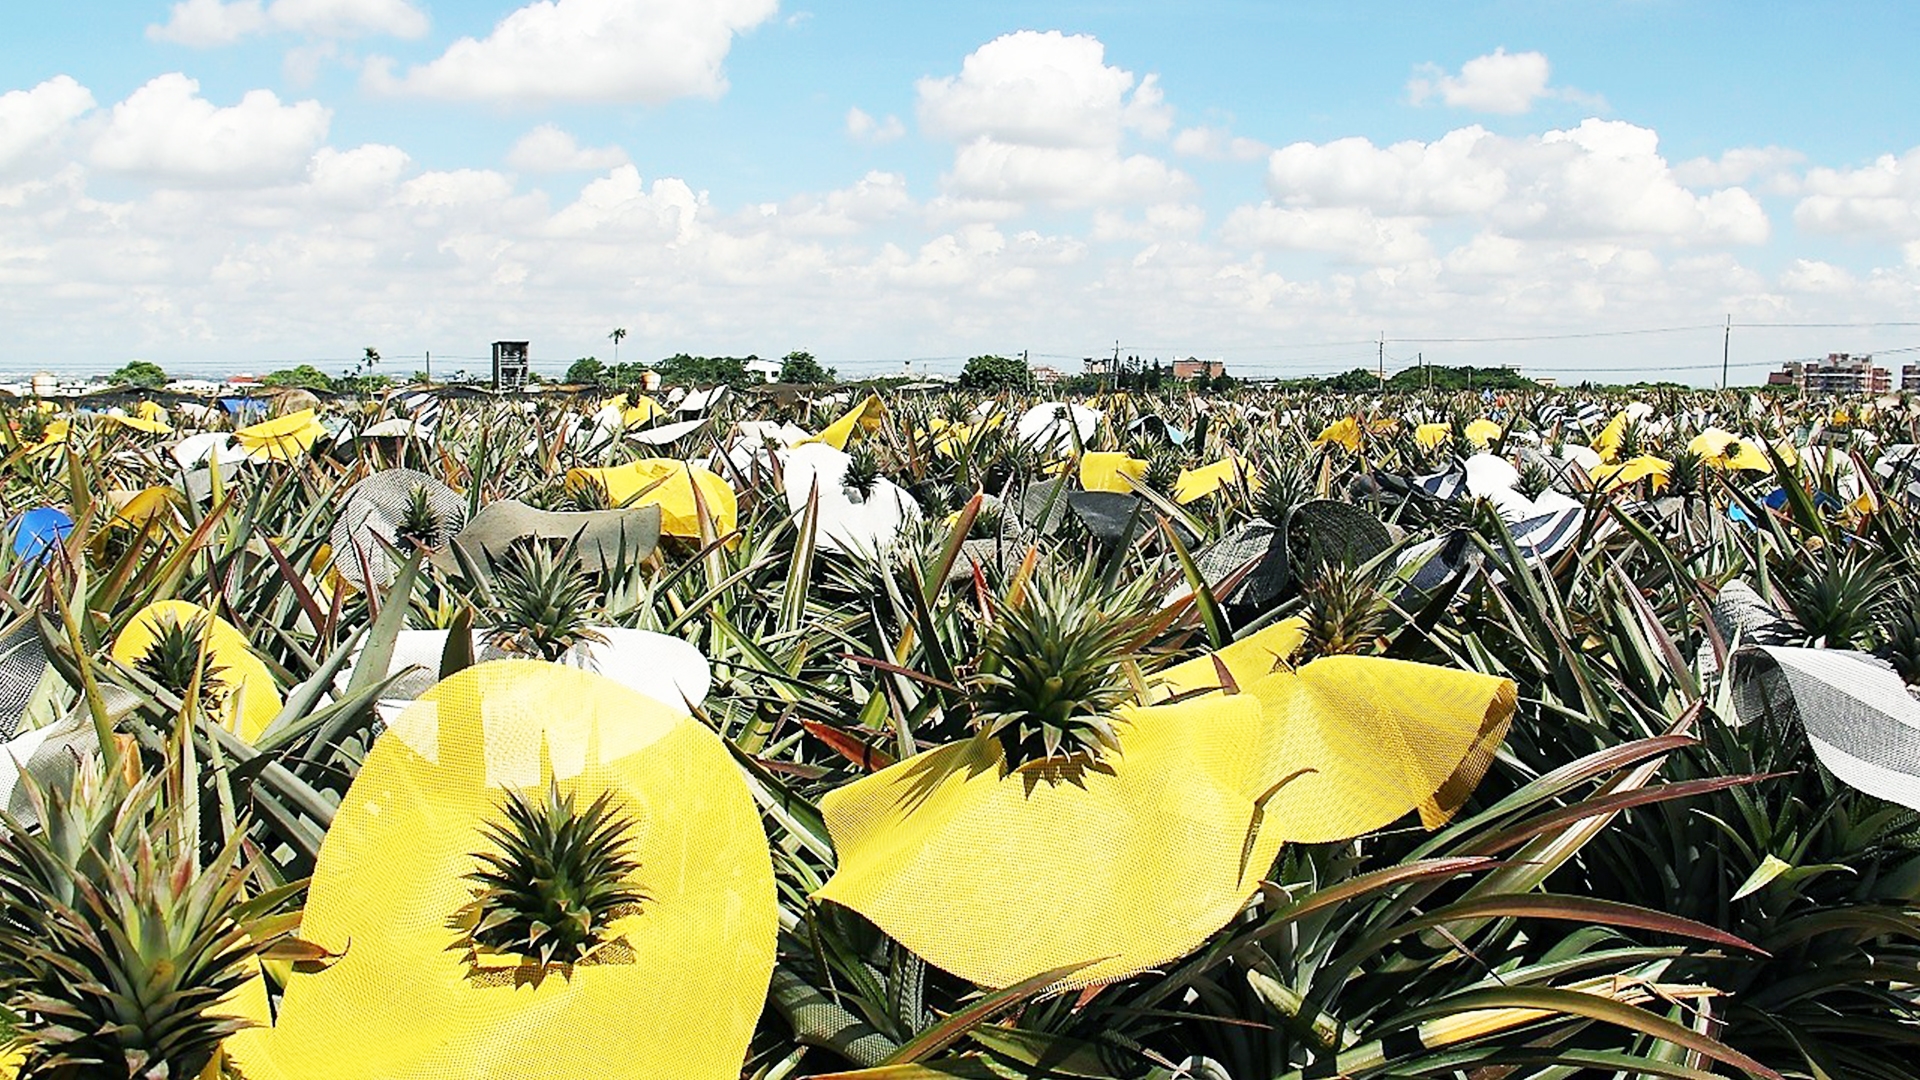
1855, 710
23, 660
603, 533
371, 516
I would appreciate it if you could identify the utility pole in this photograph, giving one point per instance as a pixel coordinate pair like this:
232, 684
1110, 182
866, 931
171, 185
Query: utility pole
1383, 358
429, 367
1425, 375
1726, 350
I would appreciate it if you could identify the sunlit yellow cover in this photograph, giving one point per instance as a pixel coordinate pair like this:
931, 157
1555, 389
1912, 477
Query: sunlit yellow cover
281, 438
1132, 861
1109, 470
670, 483
680, 999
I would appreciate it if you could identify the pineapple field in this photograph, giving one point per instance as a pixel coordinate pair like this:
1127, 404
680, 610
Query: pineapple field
1263, 735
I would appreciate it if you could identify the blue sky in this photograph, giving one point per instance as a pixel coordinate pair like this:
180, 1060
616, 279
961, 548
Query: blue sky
241, 184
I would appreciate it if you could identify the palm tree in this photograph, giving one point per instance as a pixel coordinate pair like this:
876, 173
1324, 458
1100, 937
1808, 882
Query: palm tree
618, 333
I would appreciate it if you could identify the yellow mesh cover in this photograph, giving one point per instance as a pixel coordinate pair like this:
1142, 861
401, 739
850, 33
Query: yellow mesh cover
669, 483
253, 700
678, 997
1134, 861
865, 416
1344, 432
1432, 436
1201, 482
1109, 470
1613, 477
281, 438
1482, 432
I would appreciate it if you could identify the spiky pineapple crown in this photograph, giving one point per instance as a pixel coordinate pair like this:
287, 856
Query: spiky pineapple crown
420, 526
1535, 478
1164, 465
1686, 473
543, 601
119, 937
862, 475
1057, 662
1285, 489
558, 877
175, 657
1344, 611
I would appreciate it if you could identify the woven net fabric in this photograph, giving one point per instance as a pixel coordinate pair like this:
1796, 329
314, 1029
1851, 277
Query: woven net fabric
676, 991
606, 537
23, 660
372, 515
1256, 542
1320, 531
1854, 709
1132, 860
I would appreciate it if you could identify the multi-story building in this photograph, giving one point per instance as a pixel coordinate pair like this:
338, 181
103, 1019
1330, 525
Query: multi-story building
1839, 373
1196, 368
1910, 376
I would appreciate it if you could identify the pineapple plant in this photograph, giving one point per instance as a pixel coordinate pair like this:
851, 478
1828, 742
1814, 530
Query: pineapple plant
1536, 479
1164, 465
1836, 594
559, 875
1687, 476
1345, 612
117, 944
1283, 490
1058, 659
543, 601
178, 663
420, 527
862, 475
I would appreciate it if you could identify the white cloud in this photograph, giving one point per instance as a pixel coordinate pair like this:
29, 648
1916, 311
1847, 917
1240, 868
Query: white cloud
1499, 82
1161, 222
167, 132
1769, 165
207, 23
600, 51
30, 119
549, 149
1041, 117
1217, 144
1815, 276
1068, 175
1878, 199
862, 127
1038, 89
361, 177
1350, 233
1604, 178
875, 198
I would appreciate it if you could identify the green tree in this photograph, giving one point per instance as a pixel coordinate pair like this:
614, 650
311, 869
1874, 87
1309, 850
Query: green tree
683, 370
305, 377
799, 366
587, 371
996, 373
144, 373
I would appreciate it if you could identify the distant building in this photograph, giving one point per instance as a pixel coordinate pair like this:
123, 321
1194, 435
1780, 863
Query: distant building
1047, 376
768, 370
1839, 373
1195, 368
1097, 365
510, 365
1910, 376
